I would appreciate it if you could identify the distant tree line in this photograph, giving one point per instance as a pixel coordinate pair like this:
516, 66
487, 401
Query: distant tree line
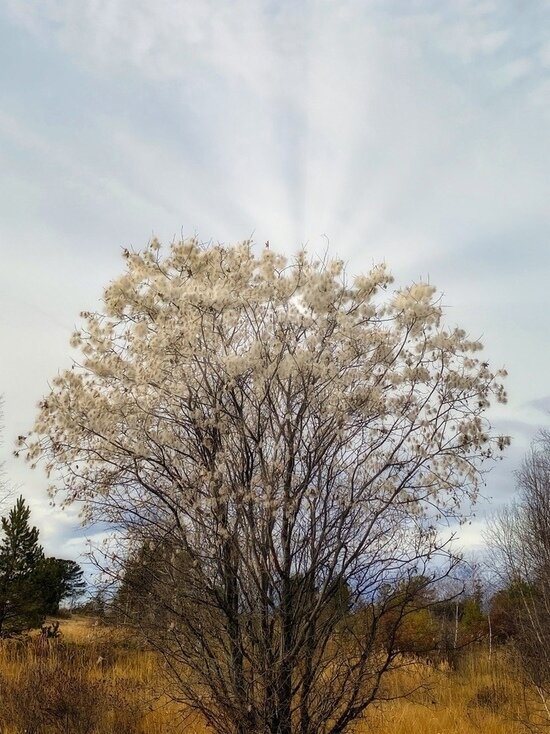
422, 616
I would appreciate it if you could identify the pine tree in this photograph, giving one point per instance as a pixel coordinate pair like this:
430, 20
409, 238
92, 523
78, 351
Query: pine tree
21, 607
57, 579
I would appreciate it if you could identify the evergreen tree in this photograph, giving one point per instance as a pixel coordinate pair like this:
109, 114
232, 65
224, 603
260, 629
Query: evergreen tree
20, 606
57, 579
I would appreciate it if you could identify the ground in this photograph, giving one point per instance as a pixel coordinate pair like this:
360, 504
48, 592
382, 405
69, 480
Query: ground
97, 680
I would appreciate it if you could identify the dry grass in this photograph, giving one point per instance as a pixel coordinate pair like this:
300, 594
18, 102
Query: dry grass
96, 681
92, 681
482, 695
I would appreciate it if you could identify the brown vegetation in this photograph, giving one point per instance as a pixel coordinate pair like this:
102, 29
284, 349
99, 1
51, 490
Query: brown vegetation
96, 680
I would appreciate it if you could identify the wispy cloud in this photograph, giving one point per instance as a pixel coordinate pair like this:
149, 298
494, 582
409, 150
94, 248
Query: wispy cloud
414, 131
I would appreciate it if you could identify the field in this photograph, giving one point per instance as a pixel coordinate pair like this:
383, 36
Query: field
96, 681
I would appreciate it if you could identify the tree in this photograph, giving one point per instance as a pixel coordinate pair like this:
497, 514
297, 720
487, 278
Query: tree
287, 434
31, 585
519, 535
505, 609
57, 579
20, 606
408, 624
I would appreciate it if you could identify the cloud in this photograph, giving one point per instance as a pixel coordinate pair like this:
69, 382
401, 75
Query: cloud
541, 404
414, 132
163, 39
324, 117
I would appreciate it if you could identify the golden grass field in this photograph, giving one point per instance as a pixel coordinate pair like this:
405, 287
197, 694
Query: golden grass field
95, 682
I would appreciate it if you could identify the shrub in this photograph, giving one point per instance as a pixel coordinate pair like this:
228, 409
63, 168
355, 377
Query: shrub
491, 697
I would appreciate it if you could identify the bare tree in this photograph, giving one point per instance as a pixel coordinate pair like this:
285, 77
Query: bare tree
519, 535
276, 449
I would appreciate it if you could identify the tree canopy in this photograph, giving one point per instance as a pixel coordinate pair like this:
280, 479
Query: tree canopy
20, 555
274, 433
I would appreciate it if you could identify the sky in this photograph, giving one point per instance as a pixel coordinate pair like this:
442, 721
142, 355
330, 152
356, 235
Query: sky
416, 132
